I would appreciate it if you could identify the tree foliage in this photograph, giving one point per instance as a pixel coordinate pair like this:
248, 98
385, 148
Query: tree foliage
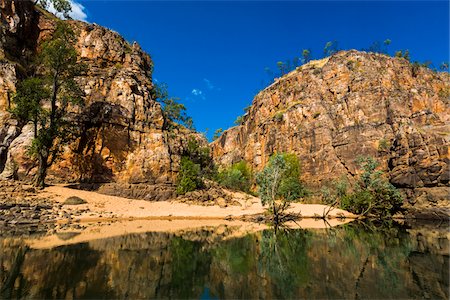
173, 111
61, 6
196, 164
239, 120
28, 101
372, 195
306, 55
45, 100
330, 48
217, 134
237, 177
190, 178
403, 54
279, 183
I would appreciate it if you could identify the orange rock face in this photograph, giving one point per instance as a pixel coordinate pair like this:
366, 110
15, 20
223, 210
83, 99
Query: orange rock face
123, 134
351, 104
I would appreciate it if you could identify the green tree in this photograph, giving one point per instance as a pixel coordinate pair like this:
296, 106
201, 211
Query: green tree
306, 56
61, 6
217, 133
282, 67
201, 155
239, 120
28, 101
173, 111
373, 194
237, 177
330, 48
279, 184
190, 178
48, 108
403, 54
196, 164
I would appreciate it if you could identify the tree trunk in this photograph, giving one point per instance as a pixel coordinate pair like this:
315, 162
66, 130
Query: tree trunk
42, 172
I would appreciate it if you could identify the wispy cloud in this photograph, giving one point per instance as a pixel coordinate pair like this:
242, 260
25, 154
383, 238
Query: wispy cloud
198, 93
209, 85
77, 13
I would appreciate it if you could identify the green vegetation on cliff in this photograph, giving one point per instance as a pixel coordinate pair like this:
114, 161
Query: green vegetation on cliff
372, 195
196, 164
46, 100
173, 111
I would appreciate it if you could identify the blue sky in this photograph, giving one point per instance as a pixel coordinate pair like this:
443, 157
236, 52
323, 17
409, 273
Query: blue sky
213, 54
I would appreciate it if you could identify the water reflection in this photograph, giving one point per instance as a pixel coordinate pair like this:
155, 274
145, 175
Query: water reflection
354, 261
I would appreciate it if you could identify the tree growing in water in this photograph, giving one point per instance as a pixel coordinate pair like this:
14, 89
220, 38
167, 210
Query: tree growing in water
45, 100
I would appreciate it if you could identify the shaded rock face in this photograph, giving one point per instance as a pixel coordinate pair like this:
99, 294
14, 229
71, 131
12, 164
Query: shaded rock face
351, 104
123, 136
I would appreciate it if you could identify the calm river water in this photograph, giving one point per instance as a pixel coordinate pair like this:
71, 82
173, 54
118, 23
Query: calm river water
353, 261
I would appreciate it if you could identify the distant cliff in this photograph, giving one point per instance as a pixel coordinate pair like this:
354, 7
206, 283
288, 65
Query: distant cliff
123, 134
352, 104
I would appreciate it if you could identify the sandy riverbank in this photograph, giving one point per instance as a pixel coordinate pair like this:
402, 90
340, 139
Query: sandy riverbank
101, 206
105, 216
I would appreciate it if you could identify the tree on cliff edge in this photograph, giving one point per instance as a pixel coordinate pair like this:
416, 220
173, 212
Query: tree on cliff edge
46, 100
61, 6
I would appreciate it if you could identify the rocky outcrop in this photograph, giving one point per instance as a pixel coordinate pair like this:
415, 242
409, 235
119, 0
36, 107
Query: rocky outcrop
351, 104
123, 128
20, 205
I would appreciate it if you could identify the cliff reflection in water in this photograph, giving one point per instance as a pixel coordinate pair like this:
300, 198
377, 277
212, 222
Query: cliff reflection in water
353, 261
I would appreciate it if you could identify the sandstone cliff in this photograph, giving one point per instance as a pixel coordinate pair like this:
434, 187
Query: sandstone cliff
123, 133
353, 103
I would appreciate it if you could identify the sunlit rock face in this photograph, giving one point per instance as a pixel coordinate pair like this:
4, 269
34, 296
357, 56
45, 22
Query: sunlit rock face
351, 104
123, 136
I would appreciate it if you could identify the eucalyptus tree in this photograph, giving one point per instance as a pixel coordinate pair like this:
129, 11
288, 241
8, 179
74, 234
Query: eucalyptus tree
46, 100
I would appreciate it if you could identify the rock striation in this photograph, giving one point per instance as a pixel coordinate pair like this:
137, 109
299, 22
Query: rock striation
351, 104
123, 128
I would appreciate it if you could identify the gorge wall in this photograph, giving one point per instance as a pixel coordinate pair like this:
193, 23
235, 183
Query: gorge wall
123, 133
351, 104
